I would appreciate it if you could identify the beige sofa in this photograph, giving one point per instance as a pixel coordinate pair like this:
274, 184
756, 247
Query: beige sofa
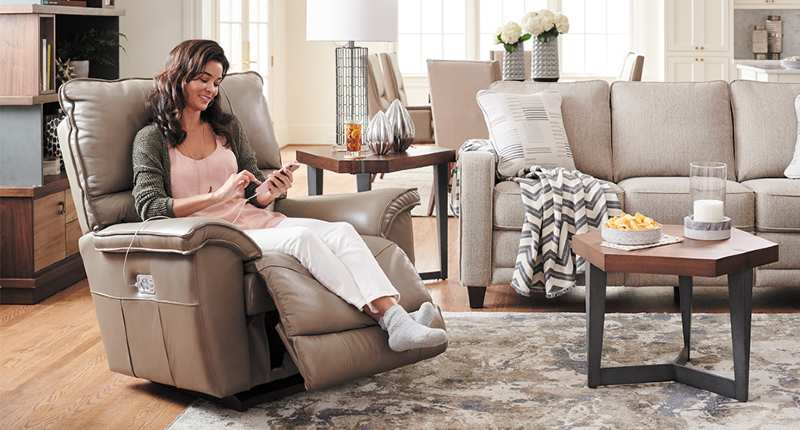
640, 138
223, 319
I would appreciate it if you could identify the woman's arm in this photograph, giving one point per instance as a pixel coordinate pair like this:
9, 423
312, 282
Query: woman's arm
246, 159
149, 195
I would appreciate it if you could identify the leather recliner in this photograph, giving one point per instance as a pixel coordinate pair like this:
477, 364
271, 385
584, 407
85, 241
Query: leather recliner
222, 318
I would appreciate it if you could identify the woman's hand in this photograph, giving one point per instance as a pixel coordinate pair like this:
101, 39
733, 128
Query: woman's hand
279, 181
234, 186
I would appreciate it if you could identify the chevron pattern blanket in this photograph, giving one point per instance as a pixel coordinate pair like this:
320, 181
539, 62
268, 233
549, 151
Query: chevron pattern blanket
559, 203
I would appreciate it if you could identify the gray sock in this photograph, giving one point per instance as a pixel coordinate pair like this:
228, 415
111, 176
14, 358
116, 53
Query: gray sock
425, 314
405, 333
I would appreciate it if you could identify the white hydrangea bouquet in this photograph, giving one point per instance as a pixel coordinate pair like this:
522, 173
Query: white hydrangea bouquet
545, 25
510, 36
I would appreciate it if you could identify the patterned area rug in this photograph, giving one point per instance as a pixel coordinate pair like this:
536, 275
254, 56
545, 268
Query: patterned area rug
527, 370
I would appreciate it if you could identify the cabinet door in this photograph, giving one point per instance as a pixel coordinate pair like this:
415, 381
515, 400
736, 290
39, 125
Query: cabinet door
684, 69
49, 230
682, 26
715, 68
716, 25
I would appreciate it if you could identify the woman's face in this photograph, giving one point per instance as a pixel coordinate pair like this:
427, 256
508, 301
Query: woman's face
199, 92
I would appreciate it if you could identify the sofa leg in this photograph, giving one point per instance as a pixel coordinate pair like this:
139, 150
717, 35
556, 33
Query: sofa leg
676, 295
476, 296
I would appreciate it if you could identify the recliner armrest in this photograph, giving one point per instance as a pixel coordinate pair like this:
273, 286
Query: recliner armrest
371, 212
175, 235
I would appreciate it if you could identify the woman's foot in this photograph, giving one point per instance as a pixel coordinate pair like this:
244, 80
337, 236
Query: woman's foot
425, 314
405, 333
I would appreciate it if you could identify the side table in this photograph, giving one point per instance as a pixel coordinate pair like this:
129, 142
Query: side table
325, 158
735, 257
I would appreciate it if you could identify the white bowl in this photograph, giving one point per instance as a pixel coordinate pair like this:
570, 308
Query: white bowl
631, 237
790, 64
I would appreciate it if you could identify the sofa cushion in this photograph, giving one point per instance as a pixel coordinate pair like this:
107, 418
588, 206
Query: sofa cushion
764, 117
659, 128
508, 211
667, 200
526, 130
788, 249
777, 204
587, 120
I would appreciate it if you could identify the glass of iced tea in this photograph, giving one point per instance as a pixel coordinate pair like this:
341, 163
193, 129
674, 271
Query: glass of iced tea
352, 138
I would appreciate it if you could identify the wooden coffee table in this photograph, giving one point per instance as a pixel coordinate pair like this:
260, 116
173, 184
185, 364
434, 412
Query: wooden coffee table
325, 158
735, 257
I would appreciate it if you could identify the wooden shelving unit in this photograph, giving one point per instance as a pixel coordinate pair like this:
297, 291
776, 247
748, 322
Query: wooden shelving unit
39, 227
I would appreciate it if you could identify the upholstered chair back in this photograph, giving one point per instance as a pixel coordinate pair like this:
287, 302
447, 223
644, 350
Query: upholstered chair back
377, 93
454, 84
102, 119
396, 88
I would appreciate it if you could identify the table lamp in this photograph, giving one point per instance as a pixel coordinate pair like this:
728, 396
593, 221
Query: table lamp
351, 21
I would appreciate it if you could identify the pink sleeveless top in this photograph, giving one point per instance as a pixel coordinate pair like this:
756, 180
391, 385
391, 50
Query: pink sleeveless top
191, 177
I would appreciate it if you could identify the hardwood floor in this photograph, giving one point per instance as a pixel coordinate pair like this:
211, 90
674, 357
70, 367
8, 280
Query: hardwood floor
53, 371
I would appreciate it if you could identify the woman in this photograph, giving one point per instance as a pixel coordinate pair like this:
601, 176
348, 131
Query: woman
194, 160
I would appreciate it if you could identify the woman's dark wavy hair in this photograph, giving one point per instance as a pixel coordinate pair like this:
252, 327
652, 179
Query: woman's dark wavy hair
185, 64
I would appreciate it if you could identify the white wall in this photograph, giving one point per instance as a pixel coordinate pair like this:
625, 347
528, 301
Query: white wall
153, 28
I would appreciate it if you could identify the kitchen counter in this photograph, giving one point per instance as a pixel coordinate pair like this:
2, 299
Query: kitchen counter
766, 71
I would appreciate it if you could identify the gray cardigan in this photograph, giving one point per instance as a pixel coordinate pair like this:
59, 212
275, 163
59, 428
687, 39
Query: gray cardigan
151, 183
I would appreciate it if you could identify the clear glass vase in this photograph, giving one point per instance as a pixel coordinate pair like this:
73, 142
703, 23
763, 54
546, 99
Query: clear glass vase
707, 184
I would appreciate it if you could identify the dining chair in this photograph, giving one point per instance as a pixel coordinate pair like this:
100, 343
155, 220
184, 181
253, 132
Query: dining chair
632, 67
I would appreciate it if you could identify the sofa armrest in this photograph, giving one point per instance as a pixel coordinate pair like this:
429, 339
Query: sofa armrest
422, 118
176, 236
384, 213
476, 219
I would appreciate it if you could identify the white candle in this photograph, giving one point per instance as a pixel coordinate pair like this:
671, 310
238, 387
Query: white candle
709, 210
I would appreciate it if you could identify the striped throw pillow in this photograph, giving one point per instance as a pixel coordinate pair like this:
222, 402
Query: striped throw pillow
526, 130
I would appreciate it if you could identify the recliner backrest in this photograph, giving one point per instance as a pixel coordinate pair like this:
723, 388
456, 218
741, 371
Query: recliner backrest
102, 119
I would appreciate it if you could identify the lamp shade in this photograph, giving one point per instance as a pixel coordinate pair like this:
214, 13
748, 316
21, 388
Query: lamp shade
351, 20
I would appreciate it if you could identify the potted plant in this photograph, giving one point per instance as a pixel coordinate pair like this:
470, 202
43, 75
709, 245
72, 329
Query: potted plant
512, 39
545, 26
96, 46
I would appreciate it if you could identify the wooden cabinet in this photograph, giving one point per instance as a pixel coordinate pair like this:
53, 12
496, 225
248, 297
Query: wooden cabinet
767, 4
698, 40
697, 26
697, 68
39, 233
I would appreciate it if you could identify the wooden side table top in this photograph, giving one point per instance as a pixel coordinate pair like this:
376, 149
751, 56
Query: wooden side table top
688, 258
326, 158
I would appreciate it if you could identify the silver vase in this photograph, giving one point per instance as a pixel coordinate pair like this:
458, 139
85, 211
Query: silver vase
544, 67
402, 126
514, 64
379, 136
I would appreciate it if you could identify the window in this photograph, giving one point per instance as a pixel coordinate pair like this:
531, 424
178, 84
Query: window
434, 29
242, 29
600, 32
598, 38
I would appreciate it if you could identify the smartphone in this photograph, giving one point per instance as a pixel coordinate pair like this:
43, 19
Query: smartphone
294, 165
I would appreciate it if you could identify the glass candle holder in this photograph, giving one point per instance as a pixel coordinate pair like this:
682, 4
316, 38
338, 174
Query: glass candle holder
707, 182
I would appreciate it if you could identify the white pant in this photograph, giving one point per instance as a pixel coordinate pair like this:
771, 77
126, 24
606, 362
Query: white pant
335, 255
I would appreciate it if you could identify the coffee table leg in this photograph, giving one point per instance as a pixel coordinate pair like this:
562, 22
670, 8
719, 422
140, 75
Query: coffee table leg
595, 319
686, 318
740, 293
441, 179
314, 181
363, 181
